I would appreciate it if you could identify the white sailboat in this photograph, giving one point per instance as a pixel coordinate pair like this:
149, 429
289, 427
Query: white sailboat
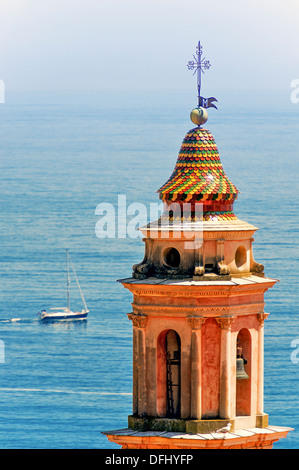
65, 313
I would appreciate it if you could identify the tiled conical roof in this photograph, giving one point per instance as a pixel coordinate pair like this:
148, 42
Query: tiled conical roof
198, 175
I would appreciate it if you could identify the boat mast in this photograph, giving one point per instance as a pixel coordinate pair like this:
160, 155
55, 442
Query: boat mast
67, 280
81, 293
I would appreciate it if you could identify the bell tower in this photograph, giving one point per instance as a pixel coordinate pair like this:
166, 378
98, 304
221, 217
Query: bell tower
198, 312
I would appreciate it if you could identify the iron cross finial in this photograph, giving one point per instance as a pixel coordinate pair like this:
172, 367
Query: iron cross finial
199, 65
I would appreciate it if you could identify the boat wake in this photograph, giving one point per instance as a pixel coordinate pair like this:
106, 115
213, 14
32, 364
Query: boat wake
11, 320
20, 320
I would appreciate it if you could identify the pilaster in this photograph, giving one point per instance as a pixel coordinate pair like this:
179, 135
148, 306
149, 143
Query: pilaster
196, 323
225, 366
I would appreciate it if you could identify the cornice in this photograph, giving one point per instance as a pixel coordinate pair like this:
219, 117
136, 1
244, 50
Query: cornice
207, 311
206, 291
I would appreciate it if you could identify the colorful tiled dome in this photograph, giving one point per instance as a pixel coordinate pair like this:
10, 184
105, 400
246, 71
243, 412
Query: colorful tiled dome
199, 176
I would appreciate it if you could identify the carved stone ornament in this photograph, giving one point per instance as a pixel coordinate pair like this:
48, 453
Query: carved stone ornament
222, 268
196, 322
199, 270
138, 320
257, 268
261, 317
225, 323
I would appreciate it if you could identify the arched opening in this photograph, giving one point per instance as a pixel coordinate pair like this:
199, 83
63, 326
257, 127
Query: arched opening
169, 374
243, 373
172, 257
241, 257
173, 374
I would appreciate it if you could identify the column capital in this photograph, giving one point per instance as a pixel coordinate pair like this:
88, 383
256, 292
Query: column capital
261, 317
137, 319
196, 322
225, 322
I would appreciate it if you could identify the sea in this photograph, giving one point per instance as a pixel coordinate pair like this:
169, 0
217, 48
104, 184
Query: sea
66, 156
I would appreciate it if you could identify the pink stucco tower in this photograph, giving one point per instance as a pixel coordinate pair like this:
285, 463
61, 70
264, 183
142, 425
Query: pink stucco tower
198, 316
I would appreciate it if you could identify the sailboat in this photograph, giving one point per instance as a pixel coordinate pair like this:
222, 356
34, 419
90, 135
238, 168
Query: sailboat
65, 313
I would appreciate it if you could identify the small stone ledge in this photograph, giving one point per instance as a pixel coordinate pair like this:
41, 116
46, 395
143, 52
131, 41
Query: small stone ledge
191, 426
156, 424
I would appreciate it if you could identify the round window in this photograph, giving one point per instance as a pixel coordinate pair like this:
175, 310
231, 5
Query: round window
172, 257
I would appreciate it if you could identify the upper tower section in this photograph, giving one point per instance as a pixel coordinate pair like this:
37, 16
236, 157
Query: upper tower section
198, 235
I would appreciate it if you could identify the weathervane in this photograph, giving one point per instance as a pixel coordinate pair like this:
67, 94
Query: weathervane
199, 65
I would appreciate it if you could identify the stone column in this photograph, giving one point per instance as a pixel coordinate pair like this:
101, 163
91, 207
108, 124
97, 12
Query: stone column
196, 325
225, 366
260, 365
139, 363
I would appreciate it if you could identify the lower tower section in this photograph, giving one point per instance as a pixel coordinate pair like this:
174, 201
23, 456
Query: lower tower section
198, 365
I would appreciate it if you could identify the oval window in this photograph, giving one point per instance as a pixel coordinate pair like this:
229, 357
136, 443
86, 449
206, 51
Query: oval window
240, 257
172, 257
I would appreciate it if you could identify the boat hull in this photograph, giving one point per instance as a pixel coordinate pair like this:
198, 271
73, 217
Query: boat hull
58, 316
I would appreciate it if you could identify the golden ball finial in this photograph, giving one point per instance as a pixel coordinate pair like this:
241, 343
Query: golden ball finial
199, 115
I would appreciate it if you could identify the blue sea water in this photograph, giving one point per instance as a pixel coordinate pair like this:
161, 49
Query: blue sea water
61, 155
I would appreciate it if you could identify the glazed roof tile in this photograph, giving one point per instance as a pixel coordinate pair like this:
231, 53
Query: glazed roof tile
198, 174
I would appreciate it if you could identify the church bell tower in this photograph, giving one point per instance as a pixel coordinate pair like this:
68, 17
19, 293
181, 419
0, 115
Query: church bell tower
198, 312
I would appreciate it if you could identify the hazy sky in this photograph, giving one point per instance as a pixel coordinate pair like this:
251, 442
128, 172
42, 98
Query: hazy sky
99, 44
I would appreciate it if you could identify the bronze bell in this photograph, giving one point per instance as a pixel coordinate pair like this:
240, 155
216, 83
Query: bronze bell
240, 372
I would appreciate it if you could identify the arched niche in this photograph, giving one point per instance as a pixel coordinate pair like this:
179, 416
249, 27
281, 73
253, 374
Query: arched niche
172, 257
241, 258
